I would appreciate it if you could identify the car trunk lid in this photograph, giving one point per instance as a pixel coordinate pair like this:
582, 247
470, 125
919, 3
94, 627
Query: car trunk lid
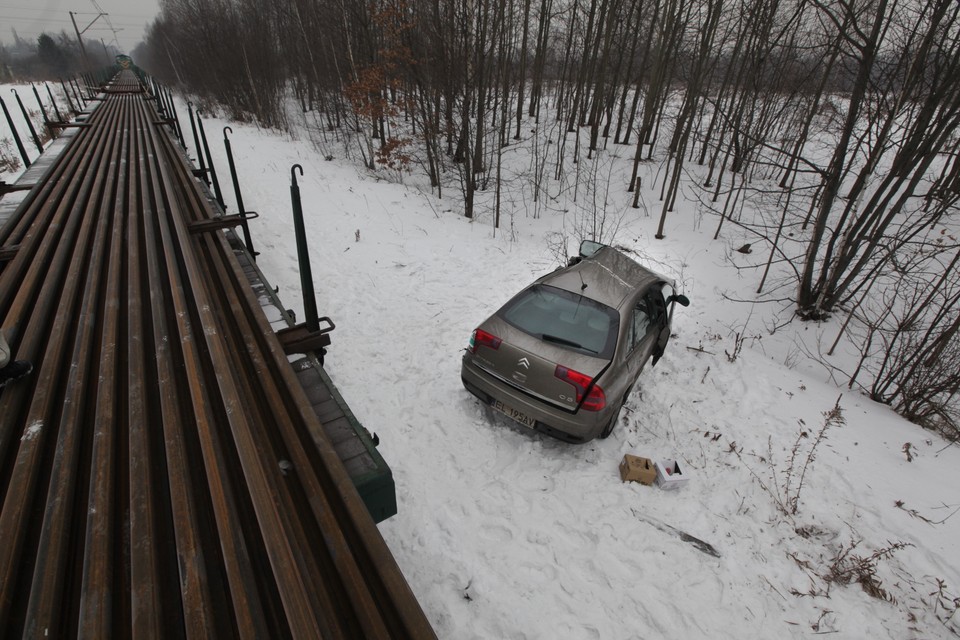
531, 365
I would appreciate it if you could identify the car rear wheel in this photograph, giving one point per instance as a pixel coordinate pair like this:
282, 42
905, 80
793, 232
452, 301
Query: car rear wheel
607, 430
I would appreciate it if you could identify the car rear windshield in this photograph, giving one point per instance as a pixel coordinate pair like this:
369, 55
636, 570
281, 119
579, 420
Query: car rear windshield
568, 320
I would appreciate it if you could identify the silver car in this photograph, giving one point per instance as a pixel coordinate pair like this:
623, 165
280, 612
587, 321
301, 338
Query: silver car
562, 356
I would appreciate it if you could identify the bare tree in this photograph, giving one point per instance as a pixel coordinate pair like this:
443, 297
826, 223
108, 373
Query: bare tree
921, 106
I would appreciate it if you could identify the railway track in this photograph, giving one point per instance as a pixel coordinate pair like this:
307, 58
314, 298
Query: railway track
162, 473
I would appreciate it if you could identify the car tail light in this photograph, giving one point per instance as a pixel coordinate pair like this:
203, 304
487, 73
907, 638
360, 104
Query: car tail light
596, 400
481, 338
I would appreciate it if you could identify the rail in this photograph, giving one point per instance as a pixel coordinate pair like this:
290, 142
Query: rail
162, 473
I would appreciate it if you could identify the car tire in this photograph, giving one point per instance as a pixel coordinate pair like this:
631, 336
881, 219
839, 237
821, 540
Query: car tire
607, 430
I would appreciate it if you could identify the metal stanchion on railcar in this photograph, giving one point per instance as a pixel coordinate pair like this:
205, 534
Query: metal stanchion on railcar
74, 110
176, 118
26, 116
157, 96
88, 84
303, 252
43, 110
78, 94
16, 136
202, 171
210, 168
236, 191
307, 336
53, 101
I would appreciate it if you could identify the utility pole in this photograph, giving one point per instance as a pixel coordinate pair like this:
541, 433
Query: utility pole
80, 40
83, 49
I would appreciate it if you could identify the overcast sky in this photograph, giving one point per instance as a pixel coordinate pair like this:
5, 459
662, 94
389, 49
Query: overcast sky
30, 18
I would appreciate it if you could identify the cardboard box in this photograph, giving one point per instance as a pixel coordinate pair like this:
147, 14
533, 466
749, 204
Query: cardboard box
637, 469
669, 474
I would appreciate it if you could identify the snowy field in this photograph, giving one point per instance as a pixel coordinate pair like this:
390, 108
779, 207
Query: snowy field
505, 533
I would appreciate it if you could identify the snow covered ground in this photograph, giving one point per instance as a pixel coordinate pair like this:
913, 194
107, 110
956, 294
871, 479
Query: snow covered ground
504, 533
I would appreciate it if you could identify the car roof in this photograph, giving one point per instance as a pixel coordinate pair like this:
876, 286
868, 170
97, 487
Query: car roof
609, 275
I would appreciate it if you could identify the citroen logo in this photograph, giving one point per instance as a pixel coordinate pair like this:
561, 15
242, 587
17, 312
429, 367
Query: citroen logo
523, 362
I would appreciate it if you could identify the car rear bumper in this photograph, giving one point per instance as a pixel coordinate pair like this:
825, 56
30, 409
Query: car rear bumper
561, 425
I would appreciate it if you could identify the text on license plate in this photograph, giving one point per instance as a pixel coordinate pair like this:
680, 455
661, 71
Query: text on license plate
513, 414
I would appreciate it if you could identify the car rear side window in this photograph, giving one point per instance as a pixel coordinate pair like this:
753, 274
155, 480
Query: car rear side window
566, 319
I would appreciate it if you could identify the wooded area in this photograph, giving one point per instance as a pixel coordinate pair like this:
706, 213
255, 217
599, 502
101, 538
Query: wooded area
52, 57
826, 128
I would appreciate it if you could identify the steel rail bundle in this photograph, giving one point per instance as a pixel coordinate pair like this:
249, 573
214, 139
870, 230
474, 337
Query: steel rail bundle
162, 473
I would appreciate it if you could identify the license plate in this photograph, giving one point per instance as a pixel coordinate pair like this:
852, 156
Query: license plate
513, 414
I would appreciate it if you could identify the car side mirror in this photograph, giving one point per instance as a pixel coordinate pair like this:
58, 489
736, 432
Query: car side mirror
679, 298
589, 248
